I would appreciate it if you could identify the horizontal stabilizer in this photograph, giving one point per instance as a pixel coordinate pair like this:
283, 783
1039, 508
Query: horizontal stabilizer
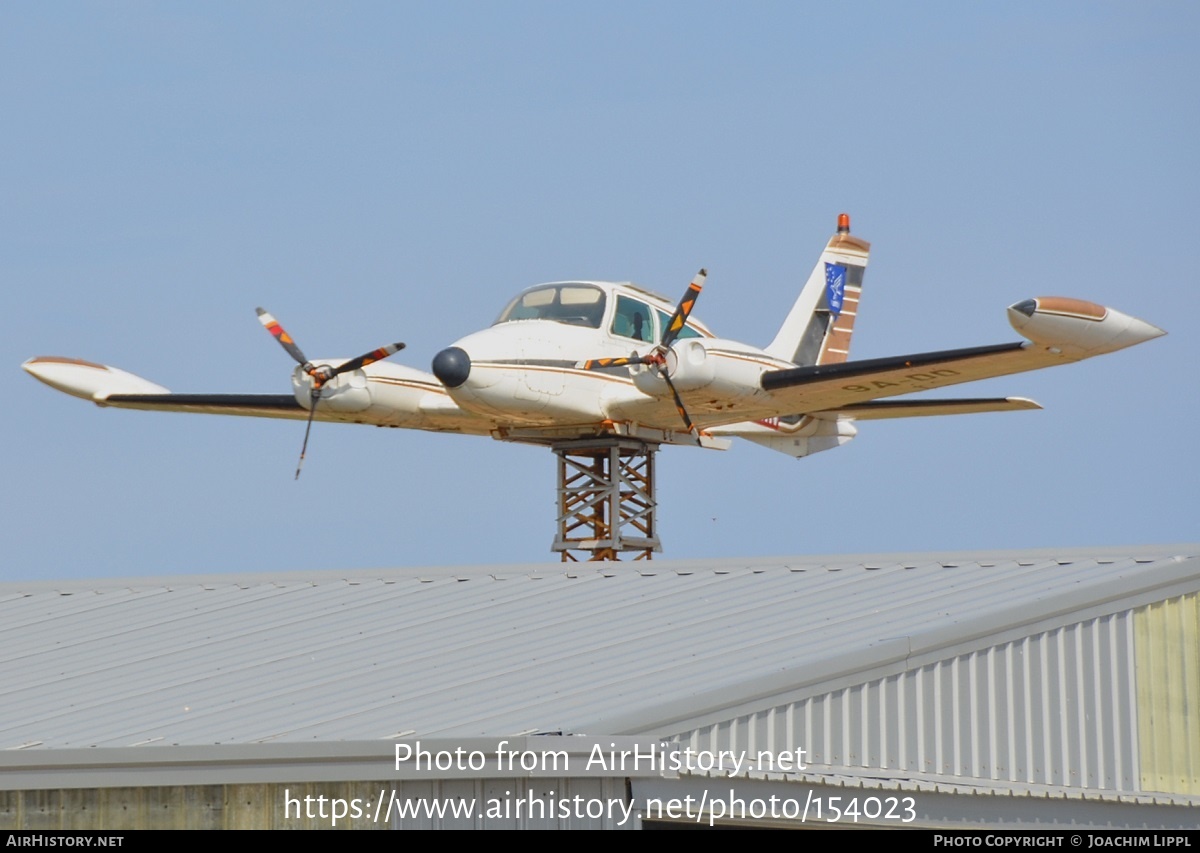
880, 409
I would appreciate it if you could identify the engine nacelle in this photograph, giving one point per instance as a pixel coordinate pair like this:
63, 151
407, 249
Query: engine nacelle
726, 369
1076, 327
348, 392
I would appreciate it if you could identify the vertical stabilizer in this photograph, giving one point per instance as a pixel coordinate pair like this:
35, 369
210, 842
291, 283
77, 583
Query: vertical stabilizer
818, 328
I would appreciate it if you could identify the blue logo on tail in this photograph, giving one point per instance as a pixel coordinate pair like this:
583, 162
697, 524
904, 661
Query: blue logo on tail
835, 287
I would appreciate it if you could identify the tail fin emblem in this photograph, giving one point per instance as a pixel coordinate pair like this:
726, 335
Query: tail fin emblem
835, 287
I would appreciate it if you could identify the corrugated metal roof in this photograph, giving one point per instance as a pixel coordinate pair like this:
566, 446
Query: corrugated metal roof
858, 778
590, 649
848, 797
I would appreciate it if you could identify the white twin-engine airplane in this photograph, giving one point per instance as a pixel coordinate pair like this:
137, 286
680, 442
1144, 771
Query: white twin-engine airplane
585, 359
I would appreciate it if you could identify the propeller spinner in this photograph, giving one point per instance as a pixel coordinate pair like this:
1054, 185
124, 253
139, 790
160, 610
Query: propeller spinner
656, 359
321, 374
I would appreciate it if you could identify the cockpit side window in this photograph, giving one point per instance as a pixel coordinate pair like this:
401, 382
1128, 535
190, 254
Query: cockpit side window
632, 320
573, 304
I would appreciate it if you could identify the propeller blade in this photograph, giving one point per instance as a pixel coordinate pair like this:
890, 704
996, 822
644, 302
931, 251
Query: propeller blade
320, 373
598, 363
313, 396
277, 331
324, 373
658, 355
679, 406
370, 358
657, 358
684, 309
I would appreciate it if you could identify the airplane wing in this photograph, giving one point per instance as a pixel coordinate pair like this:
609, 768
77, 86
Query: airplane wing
250, 405
111, 386
826, 387
1060, 331
391, 395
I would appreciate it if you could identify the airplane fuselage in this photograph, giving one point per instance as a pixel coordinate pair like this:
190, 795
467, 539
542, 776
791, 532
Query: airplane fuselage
529, 371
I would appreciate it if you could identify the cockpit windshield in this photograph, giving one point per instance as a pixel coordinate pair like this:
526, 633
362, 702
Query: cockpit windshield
574, 304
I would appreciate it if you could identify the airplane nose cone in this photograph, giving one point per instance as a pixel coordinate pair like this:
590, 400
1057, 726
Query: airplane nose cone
1027, 307
452, 366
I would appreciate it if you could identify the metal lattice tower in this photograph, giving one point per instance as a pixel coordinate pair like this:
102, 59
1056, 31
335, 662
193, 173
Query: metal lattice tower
606, 499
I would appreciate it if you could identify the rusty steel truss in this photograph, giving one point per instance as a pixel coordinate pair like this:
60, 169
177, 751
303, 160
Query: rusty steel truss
606, 500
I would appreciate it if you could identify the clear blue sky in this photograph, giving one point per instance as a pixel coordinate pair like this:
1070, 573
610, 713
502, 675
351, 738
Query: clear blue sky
394, 171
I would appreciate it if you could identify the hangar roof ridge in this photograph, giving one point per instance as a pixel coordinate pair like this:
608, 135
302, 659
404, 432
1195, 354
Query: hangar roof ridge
502, 571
